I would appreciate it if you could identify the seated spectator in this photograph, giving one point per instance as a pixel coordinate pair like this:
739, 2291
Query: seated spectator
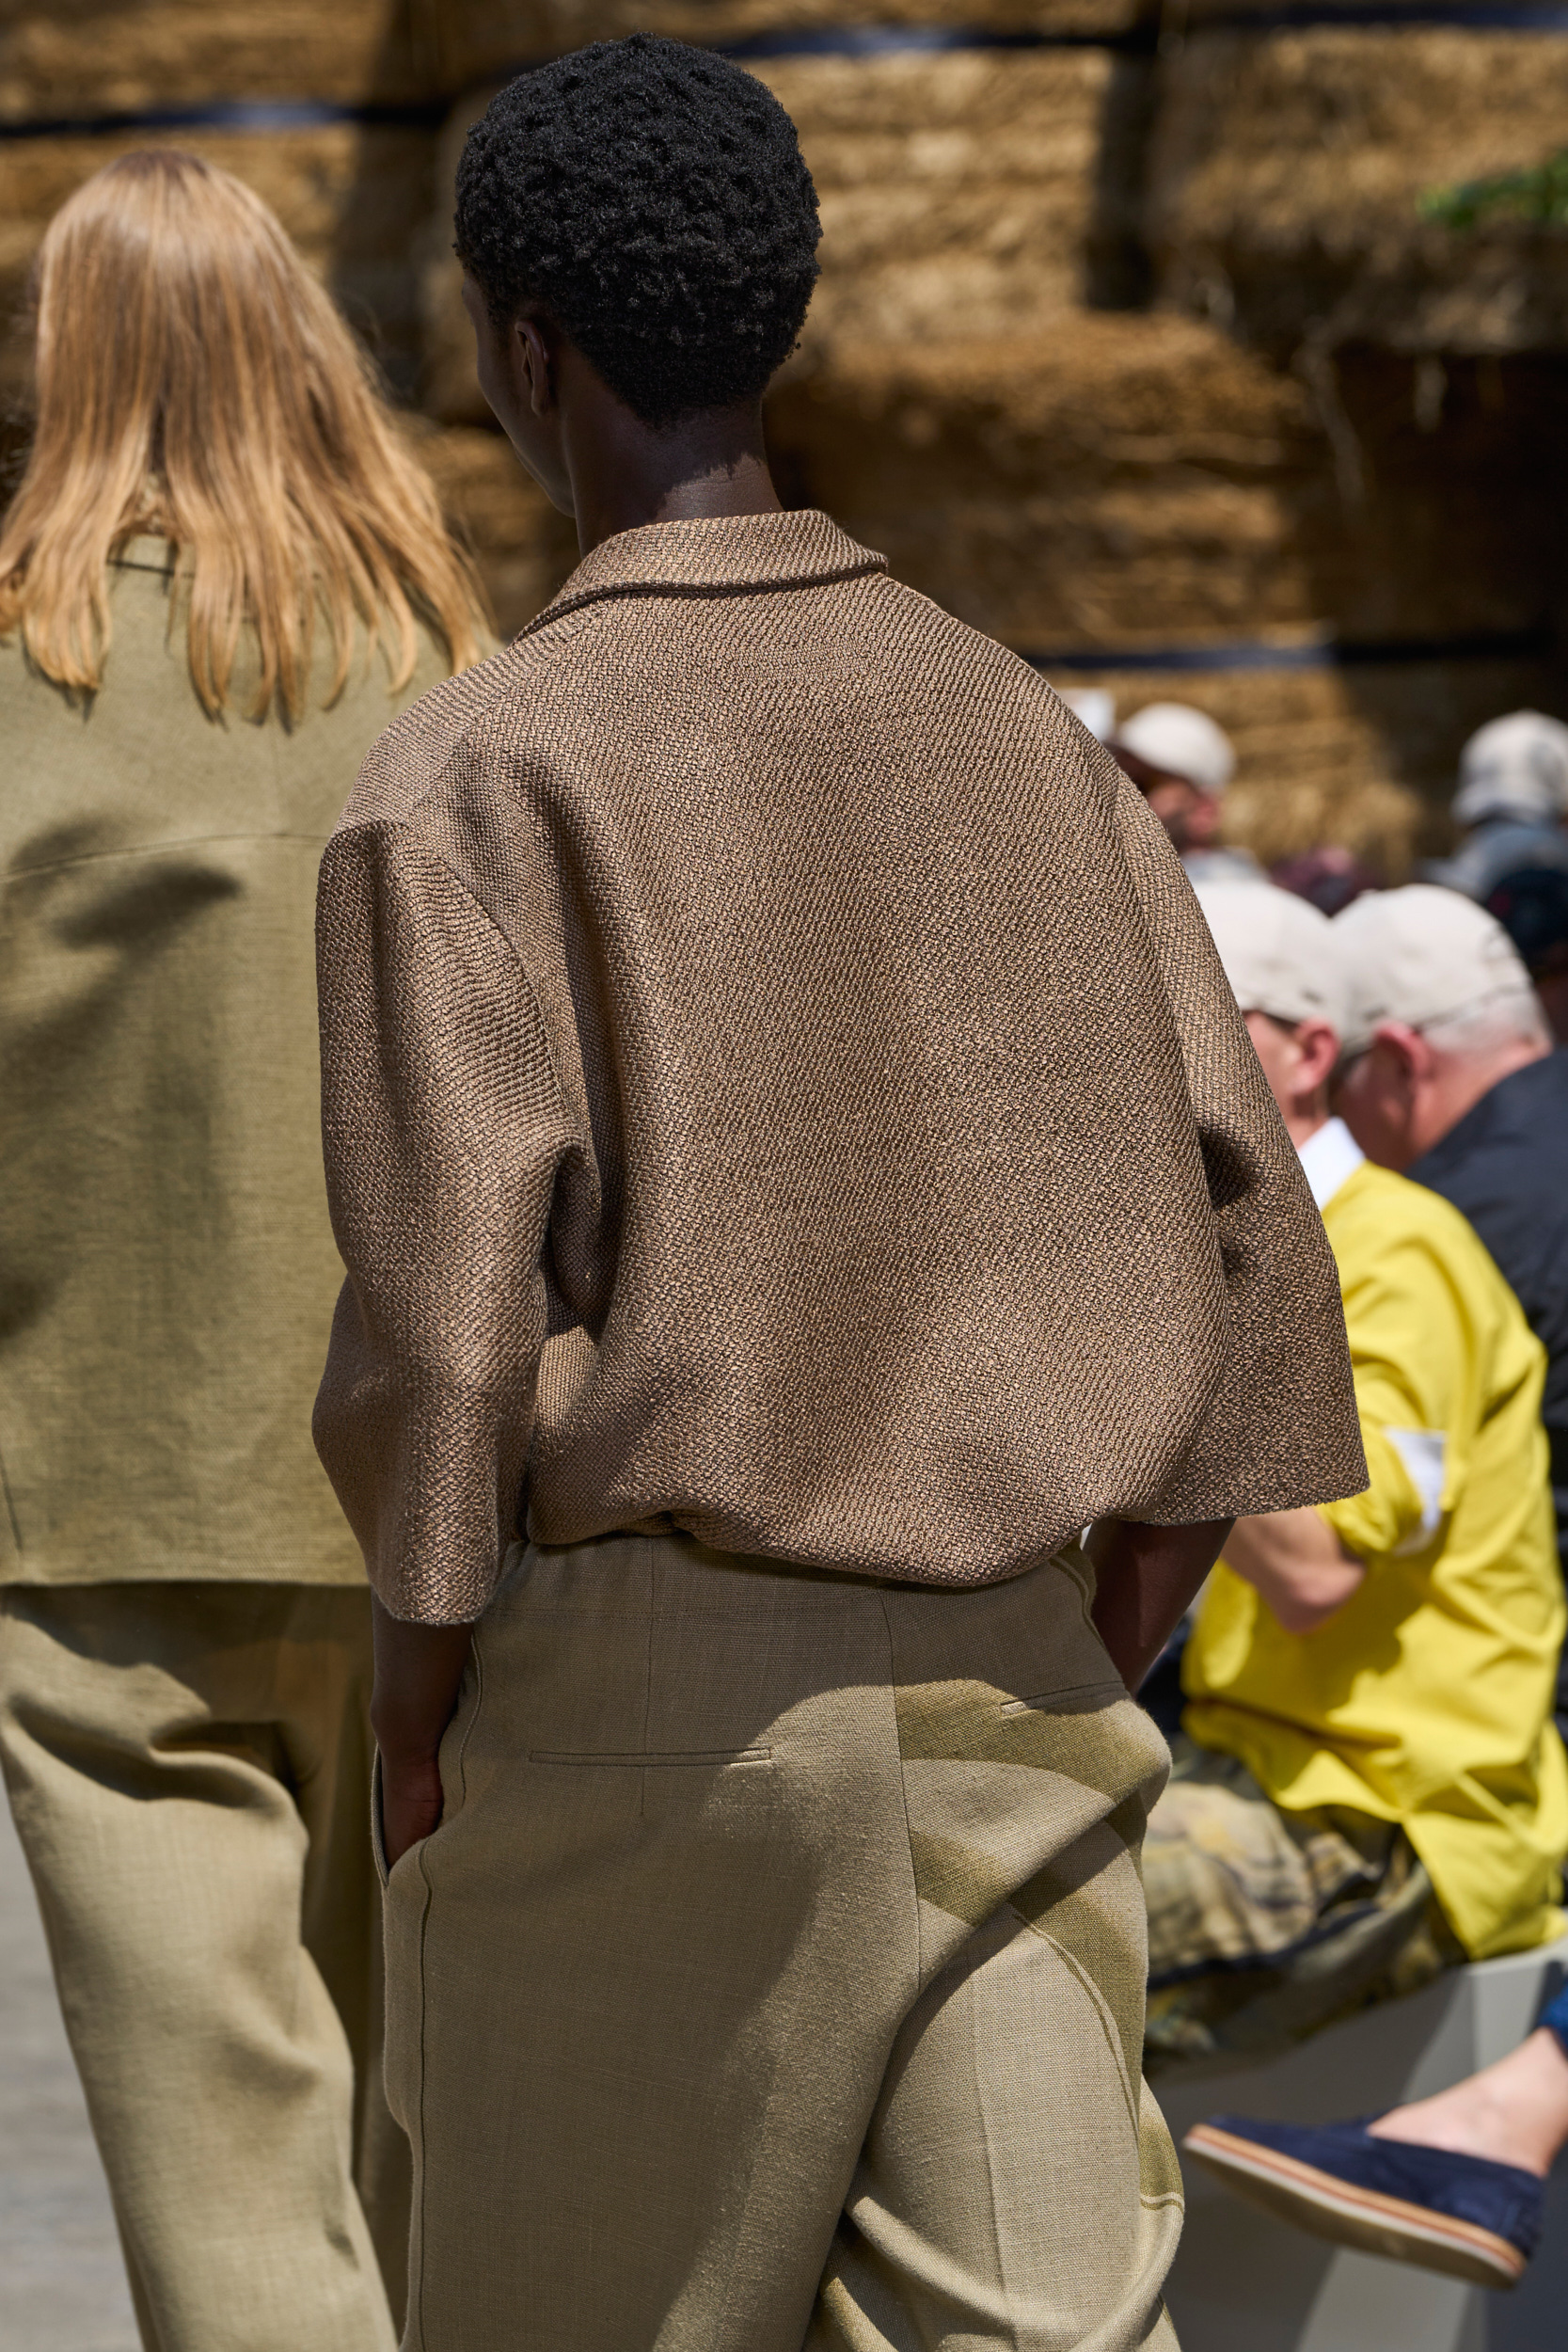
1510, 805
1330, 878
1512, 814
1451, 2184
1530, 902
1472, 1103
1182, 763
1368, 1786
1454, 1085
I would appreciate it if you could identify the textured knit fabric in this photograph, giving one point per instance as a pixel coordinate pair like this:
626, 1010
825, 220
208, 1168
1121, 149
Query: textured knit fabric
1266, 1926
778, 1084
775, 1976
189, 1768
1426, 1699
166, 1264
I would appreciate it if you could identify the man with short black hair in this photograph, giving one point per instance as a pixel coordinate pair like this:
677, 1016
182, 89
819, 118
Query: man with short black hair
796, 1165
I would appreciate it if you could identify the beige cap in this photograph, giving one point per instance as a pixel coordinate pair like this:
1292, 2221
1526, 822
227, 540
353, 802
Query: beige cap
1421, 955
1280, 955
1095, 706
1516, 766
1183, 741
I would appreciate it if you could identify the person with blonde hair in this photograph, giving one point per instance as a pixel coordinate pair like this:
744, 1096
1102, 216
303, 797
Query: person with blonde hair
221, 575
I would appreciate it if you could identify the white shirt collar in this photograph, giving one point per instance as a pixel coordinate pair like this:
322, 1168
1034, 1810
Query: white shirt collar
1327, 1158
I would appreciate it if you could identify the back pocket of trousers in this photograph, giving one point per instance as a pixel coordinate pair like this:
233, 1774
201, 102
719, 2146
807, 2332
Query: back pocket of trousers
643, 1759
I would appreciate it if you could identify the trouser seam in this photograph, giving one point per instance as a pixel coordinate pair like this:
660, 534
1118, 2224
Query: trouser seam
1096, 2002
416, 2288
477, 1655
417, 2293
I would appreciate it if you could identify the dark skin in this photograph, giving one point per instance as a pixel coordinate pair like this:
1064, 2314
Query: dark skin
600, 464
1144, 1580
595, 460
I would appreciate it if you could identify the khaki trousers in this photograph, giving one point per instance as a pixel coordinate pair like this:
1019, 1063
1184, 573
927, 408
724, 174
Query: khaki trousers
189, 1768
776, 1976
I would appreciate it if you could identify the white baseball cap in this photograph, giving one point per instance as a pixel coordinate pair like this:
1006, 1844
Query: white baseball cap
1421, 955
1183, 741
1515, 767
1280, 955
1094, 706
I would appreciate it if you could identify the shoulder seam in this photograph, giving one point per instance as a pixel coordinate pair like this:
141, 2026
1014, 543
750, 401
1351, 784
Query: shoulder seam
474, 725
425, 848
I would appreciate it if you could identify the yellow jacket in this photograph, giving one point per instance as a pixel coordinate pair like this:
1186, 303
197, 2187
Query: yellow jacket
1427, 1698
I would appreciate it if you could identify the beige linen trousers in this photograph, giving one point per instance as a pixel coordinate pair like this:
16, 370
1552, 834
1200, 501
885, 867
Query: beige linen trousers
775, 1977
189, 1765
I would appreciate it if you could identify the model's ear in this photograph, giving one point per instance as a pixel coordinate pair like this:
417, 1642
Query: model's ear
534, 365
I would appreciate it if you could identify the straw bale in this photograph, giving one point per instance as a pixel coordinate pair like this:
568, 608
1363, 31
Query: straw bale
89, 57
523, 548
957, 193
481, 41
355, 200
959, 196
1137, 482
1365, 757
1113, 480
1287, 172
1133, 479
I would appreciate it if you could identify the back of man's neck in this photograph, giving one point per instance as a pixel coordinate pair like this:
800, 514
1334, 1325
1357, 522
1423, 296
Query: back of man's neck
1465, 1080
625, 474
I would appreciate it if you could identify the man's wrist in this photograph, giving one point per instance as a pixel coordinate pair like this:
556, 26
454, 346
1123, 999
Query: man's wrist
419, 1668
403, 1745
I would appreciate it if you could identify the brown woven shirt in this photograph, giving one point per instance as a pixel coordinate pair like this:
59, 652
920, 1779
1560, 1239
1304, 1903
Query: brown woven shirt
778, 1085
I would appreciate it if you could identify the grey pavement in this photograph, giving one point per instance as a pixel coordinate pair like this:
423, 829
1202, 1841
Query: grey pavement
62, 2285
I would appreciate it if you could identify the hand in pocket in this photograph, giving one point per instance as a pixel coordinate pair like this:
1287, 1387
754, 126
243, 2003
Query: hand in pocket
410, 1804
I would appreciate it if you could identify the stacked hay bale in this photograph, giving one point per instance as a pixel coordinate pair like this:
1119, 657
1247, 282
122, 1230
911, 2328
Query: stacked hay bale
1173, 479
1289, 169
354, 192
1152, 358
1292, 175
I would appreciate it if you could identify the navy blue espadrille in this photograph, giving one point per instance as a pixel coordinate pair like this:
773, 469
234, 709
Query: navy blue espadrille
1463, 2215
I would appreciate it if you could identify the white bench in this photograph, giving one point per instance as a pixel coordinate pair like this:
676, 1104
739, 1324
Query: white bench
1246, 2282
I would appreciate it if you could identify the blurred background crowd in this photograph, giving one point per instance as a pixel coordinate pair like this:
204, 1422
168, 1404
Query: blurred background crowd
1139, 342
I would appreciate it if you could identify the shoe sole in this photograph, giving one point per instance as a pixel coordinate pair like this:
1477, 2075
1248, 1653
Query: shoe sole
1362, 2218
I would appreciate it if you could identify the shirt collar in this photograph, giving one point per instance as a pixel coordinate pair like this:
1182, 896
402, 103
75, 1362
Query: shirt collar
713, 554
1327, 1158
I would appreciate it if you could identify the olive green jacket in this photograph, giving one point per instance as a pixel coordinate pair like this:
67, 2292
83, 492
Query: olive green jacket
166, 1266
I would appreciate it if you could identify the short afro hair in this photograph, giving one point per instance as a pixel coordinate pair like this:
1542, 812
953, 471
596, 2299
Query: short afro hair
652, 201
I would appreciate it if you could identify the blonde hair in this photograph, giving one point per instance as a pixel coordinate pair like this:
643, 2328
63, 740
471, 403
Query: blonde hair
195, 382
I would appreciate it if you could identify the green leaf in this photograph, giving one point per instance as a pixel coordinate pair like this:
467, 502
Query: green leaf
1539, 194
